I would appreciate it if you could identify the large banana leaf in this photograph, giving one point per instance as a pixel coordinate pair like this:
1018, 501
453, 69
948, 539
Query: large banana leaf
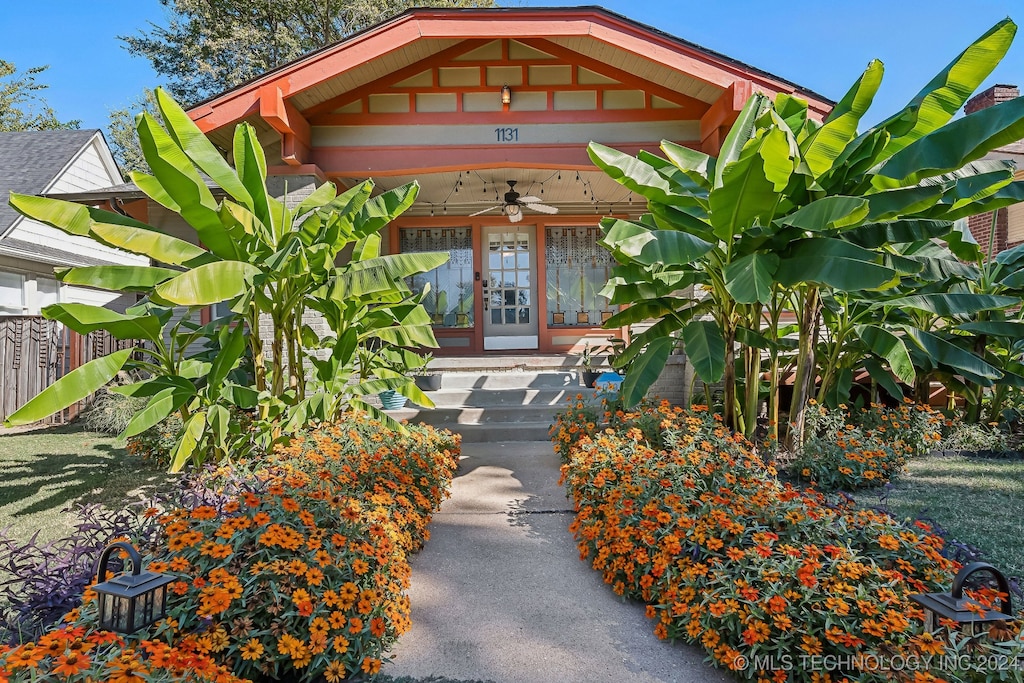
208, 284
874, 235
995, 328
637, 175
947, 92
750, 278
882, 376
188, 441
698, 165
705, 348
825, 145
635, 242
887, 345
949, 304
159, 407
645, 370
952, 356
745, 194
156, 245
182, 183
85, 318
251, 167
199, 148
70, 388
955, 144
828, 213
232, 345
904, 201
739, 135
835, 263
378, 211
116, 278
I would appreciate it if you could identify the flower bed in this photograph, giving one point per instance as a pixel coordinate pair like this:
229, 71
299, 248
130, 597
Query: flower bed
676, 511
300, 572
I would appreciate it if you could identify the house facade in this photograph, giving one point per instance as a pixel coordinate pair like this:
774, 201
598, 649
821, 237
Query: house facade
52, 162
491, 111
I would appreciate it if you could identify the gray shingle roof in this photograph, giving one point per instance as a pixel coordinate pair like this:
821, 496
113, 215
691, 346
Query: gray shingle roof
29, 161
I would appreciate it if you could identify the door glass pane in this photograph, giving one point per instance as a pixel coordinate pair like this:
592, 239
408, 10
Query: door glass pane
450, 300
496, 316
577, 268
510, 316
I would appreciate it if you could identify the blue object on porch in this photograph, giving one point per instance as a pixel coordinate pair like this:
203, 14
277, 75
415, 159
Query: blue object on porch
392, 400
608, 384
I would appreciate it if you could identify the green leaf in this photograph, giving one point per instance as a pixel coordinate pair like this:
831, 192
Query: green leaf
69, 389
633, 242
887, 345
750, 278
231, 348
208, 284
378, 211
955, 144
199, 149
950, 89
743, 195
67, 216
187, 447
839, 392
835, 263
85, 318
952, 304
156, 245
705, 348
903, 201
251, 166
995, 328
117, 278
829, 141
883, 378
645, 370
182, 183
874, 235
739, 135
950, 355
159, 407
828, 213
697, 165
245, 398
637, 175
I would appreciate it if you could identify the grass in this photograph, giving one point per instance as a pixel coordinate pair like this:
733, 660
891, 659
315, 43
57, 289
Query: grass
47, 470
976, 500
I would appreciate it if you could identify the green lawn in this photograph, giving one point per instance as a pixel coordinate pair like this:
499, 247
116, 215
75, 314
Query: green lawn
978, 501
44, 471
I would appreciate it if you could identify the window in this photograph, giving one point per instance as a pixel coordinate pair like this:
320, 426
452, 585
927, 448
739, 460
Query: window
577, 269
12, 294
47, 292
450, 300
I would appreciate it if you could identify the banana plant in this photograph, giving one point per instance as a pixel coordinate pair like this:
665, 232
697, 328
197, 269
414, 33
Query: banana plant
270, 262
795, 210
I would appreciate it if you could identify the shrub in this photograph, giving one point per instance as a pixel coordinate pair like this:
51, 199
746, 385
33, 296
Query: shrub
847, 451
110, 413
80, 655
729, 557
294, 567
157, 442
973, 436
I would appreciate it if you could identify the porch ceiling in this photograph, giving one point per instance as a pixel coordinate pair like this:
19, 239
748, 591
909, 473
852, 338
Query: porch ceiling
573, 193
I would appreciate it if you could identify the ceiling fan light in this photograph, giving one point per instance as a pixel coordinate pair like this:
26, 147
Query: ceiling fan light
511, 209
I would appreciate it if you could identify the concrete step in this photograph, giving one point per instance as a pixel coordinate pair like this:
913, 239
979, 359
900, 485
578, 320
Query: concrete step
513, 379
480, 398
450, 417
502, 433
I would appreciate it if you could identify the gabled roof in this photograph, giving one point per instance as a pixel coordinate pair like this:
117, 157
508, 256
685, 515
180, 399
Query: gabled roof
31, 160
419, 33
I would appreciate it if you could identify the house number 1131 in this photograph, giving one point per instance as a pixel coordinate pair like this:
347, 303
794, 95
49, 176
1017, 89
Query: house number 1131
507, 134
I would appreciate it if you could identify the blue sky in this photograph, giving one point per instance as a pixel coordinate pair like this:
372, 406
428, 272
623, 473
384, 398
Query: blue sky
820, 45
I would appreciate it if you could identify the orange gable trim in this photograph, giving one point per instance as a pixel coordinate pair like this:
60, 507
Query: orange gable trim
520, 24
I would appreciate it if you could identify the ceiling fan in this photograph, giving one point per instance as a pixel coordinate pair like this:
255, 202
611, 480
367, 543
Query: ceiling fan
514, 204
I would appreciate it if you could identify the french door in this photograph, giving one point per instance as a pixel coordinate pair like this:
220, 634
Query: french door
509, 287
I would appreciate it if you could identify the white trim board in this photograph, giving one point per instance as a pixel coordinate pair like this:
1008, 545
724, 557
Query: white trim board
511, 342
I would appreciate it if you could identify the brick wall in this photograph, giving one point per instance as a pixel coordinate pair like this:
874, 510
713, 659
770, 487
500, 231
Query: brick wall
981, 225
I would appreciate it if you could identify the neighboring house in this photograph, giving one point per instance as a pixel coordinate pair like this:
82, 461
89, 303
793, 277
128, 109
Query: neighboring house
1009, 221
51, 162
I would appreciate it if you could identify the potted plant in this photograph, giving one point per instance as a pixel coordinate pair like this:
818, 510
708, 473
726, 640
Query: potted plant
589, 374
426, 379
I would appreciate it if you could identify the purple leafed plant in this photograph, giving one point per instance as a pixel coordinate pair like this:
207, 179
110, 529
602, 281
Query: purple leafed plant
41, 582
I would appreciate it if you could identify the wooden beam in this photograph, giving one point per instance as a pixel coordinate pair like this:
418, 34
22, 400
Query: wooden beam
715, 123
441, 58
296, 140
361, 162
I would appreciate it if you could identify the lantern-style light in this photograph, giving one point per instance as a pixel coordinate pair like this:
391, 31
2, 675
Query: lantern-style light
506, 95
129, 602
971, 616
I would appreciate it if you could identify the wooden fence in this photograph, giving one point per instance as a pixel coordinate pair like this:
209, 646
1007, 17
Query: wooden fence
36, 352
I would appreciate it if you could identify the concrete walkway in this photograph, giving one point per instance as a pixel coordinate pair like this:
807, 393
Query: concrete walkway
499, 592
